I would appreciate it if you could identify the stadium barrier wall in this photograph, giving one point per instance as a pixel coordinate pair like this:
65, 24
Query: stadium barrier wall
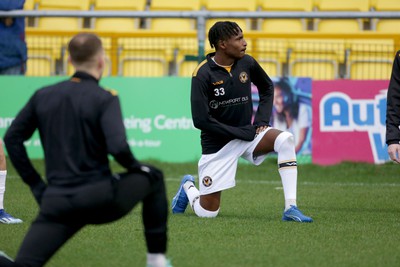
349, 121
156, 114
348, 117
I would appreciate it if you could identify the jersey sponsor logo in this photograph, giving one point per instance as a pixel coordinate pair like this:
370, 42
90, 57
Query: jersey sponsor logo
243, 77
218, 83
207, 181
213, 104
75, 80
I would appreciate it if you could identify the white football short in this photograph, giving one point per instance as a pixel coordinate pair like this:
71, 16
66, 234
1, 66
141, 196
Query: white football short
217, 171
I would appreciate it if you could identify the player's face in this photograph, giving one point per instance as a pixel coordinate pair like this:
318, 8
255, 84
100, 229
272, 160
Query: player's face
236, 46
278, 100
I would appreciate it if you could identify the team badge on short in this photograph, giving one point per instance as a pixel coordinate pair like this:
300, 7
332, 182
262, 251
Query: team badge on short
207, 181
243, 77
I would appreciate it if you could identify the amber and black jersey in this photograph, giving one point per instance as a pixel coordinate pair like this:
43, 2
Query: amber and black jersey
222, 105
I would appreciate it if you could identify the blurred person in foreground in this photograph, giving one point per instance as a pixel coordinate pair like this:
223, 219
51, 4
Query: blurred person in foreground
80, 124
4, 216
393, 112
13, 51
222, 109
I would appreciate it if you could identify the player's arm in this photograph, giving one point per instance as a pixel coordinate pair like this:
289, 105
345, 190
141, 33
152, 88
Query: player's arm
115, 135
393, 111
20, 130
204, 121
265, 89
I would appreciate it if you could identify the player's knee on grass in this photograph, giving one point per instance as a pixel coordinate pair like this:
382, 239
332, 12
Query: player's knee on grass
201, 212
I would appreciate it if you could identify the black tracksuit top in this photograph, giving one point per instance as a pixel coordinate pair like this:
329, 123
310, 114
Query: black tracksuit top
393, 104
222, 105
79, 124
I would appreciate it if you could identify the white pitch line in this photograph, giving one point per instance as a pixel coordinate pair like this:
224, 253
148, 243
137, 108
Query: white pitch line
268, 182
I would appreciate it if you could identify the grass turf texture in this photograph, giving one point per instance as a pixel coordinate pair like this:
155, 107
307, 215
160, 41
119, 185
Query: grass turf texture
354, 207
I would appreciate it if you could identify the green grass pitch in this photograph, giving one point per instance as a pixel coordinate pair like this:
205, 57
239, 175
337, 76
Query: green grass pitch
355, 208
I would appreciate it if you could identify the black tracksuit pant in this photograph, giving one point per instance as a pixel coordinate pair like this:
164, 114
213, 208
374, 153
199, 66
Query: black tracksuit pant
63, 215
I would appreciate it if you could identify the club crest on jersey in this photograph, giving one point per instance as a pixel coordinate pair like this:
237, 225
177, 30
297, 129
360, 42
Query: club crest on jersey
243, 77
207, 181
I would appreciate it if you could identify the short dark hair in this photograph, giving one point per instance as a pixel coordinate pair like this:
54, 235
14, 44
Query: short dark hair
83, 47
221, 31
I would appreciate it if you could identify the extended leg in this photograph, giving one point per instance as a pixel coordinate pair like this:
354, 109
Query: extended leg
43, 239
283, 144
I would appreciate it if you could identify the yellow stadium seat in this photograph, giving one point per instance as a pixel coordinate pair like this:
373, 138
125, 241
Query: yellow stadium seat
173, 24
185, 45
40, 64
139, 65
187, 67
145, 56
316, 58
53, 45
43, 52
51, 23
233, 5
385, 5
370, 59
118, 24
387, 25
30, 4
186, 54
343, 5
341, 25
271, 54
284, 25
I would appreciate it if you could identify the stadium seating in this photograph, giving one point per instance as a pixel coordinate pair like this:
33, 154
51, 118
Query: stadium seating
118, 24
173, 24
315, 58
183, 47
284, 25
144, 57
43, 53
271, 54
340, 25
387, 25
51, 23
30, 4
186, 58
235, 6
370, 59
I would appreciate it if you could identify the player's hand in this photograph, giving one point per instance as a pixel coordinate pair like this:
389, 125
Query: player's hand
38, 190
150, 171
261, 129
394, 152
